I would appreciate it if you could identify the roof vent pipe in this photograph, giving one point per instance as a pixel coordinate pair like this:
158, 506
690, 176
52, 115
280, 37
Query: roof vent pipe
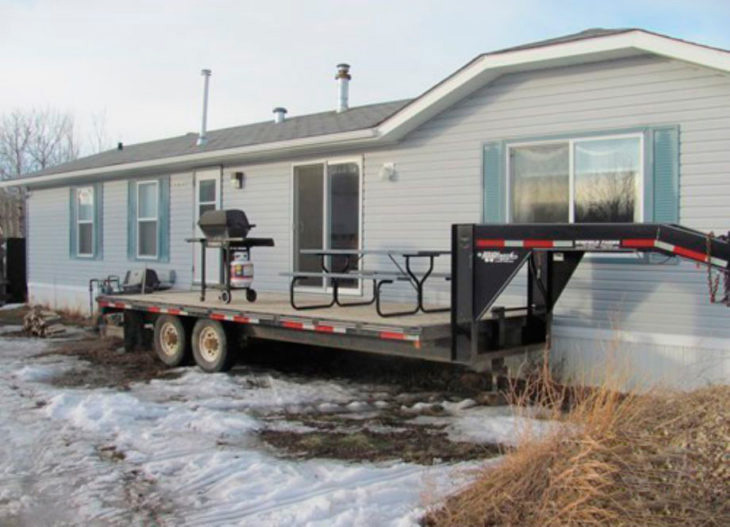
343, 79
203, 138
279, 114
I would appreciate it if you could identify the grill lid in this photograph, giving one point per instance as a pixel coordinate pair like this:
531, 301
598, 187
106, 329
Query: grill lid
231, 223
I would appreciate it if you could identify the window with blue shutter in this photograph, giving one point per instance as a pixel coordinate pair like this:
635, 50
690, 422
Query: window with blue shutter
664, 182
494, 183
86, 222
612, 176
148, 219
619, 176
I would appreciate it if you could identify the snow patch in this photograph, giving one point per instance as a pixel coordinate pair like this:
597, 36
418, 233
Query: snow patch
496, 425
9, 307
40, 372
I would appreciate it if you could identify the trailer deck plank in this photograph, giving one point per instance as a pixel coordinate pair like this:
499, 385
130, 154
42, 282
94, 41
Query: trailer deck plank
277, 304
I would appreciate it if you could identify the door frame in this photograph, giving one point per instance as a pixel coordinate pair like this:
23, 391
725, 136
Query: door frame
359, 161
202, 174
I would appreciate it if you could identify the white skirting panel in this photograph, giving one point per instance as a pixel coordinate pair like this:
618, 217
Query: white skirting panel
55, 296
634, 360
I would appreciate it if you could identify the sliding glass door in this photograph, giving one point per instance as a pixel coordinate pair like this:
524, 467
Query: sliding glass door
326, 216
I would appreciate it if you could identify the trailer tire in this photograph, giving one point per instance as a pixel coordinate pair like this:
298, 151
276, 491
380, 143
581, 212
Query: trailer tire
210, 346
171, 341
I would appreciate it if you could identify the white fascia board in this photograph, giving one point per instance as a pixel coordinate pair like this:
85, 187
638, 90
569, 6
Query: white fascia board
489, 67
354, 138
713, 58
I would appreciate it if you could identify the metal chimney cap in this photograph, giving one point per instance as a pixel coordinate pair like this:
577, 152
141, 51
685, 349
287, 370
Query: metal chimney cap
343, 71
206, 72
279, 114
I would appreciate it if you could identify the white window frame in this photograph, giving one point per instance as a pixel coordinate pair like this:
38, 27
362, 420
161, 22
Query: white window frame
326, 162
80, 222
156, 219
639, 182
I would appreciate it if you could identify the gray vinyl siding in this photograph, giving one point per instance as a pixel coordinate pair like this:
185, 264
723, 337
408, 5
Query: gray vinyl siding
48, 237
266, 199
439, 178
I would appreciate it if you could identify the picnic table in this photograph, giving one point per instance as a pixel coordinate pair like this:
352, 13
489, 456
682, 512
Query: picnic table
403, 271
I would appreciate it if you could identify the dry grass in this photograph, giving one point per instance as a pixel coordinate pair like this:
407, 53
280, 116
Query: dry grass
659, 459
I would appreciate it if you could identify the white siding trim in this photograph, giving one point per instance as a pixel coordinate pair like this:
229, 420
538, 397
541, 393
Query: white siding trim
636, 337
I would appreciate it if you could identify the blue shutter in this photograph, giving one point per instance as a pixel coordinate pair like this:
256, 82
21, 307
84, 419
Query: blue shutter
72, 222
98, 221
494, 182
132, 220
665, 174
164, 222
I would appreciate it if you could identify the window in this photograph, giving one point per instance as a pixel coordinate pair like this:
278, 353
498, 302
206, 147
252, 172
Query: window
147, 219
85, 221
85, 225
576, 180
327, 215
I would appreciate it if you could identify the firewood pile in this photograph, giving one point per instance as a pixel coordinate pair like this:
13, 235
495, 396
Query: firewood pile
43, 323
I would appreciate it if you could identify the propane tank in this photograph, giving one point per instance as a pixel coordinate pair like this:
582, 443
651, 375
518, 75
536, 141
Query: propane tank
241, 270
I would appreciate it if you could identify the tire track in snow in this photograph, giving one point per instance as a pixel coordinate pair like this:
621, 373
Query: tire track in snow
206, 519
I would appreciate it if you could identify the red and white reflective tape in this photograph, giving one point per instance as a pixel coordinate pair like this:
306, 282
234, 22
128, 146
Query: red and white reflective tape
325, 328
118, 305
394, 335
166, 310
524, 244
644, 243
633, 243
308, 326
239, 319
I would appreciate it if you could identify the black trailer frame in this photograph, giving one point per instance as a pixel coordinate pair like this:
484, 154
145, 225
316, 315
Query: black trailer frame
485, 260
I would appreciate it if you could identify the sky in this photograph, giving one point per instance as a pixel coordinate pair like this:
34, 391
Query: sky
135, 65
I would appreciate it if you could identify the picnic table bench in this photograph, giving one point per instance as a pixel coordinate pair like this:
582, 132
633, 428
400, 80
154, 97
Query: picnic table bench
380, 278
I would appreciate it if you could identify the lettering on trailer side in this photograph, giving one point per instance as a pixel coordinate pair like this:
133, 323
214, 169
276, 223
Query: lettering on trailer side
598, 245
497, 257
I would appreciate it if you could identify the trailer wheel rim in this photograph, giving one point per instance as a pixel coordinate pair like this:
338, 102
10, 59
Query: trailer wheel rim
169, 339
209, 344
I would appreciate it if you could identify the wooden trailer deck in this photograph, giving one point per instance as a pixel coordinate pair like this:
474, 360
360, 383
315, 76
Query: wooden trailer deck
422, 335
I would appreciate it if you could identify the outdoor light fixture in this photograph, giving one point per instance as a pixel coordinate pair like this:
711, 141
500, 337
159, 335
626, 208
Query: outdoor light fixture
387, 172
237, 179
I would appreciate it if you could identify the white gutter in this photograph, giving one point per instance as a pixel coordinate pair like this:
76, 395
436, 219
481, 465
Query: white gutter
355, 137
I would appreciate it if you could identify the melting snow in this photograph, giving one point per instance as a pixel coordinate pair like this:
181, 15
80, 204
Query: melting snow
187, 452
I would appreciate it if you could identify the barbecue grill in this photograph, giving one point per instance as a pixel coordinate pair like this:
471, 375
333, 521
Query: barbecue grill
228, 231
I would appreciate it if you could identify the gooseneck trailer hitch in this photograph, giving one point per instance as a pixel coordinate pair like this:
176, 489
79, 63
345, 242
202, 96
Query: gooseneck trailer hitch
486, 258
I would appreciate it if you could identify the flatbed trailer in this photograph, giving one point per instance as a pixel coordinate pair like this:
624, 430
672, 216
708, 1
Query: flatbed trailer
474, 333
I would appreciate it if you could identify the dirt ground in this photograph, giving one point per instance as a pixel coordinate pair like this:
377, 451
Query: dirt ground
109, 365
379, 433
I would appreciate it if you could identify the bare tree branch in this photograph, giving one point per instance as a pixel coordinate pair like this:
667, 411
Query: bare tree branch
34, 140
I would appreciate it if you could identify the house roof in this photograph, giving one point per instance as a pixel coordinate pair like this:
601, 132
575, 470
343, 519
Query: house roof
377, 123
316, 124
588, 33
